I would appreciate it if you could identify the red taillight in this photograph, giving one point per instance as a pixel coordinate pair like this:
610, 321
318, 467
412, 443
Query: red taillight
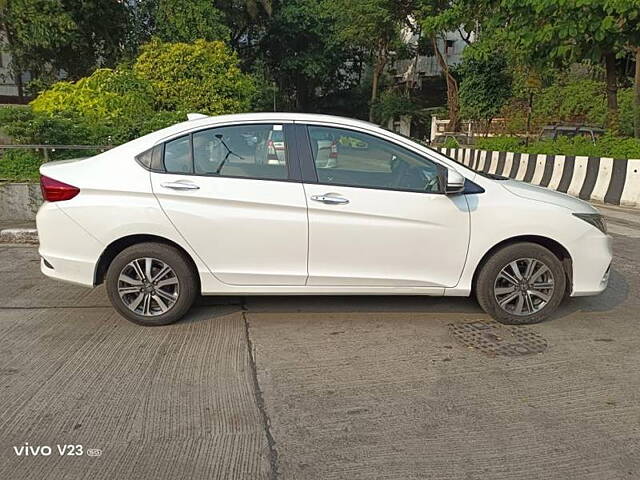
55, 191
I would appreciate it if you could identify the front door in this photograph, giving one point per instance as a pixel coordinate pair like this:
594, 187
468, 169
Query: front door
234, 202
378, 217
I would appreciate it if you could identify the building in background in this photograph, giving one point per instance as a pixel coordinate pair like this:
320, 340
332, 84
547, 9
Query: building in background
425, 64
10, 87
423, 75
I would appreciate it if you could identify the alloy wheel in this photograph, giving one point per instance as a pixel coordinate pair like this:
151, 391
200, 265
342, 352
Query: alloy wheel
524, 286
148, 286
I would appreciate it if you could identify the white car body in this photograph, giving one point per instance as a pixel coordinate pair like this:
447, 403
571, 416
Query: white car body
251, 236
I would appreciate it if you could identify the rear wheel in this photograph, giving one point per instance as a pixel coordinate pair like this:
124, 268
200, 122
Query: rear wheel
522, 283
151, 284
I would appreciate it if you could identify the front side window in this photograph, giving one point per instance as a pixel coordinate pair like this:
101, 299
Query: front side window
350, 158
252, 151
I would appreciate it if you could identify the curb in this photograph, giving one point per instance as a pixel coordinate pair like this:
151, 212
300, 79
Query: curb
27, 236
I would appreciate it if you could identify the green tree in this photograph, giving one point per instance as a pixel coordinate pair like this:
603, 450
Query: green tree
569, 31
196, 77
485, 86
49, 36
436, 18
303, 54
246, 19
189, 20
374, 26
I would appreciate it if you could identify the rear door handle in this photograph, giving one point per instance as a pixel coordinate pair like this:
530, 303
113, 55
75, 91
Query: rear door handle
330, 199
180, 185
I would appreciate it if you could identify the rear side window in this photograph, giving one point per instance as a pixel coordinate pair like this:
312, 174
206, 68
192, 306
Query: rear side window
247, 151
177, 156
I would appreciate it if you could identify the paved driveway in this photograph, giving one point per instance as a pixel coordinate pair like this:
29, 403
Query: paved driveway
320, 388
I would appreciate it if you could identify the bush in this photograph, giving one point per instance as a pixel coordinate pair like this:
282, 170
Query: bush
110, 107
109, 103
500, 144
607, 146
28, 127
580, 101
450, 142
196, 77
19, 165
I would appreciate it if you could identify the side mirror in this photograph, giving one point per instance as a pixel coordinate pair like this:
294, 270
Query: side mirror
454, 182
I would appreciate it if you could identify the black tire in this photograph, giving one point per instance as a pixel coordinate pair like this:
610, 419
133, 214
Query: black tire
182, 269
487, 280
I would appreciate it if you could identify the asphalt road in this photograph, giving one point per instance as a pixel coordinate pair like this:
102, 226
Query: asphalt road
319, 387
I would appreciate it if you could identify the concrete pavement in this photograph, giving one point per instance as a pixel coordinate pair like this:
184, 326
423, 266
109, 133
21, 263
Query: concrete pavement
318, 387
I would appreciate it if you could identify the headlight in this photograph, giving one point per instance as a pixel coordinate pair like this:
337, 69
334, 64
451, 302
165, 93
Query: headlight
594, 219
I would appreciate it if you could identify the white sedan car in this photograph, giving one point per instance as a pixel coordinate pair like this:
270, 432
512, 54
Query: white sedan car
194, 208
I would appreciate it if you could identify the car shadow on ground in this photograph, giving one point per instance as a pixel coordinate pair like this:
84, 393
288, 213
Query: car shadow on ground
615, 295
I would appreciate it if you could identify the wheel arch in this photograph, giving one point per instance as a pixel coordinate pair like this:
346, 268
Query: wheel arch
117, 246
552, 245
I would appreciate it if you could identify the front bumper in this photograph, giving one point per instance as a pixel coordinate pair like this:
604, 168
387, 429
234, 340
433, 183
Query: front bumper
591, 256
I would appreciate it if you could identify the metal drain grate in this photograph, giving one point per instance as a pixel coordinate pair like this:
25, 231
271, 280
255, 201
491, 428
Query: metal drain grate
495, 339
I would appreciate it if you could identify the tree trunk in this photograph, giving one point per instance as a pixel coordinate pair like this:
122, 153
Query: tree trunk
636, 97
374, 91
613, 122
453, 102
378, 68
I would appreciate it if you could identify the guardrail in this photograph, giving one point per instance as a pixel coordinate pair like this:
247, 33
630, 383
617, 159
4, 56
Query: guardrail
52, 148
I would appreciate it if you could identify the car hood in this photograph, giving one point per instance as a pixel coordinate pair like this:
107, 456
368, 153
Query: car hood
542, 194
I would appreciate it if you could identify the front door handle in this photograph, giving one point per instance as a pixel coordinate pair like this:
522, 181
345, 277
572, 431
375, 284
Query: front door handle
330, 199
180, 185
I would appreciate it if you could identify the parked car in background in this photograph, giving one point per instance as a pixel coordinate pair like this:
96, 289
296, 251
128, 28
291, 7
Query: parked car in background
553, 132
193, 209
276, 149
325, 150
459, 139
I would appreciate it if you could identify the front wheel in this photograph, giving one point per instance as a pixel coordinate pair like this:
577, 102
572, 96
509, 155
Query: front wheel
151, 284
522, 283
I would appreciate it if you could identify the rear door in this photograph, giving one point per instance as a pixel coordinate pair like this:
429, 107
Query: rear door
244, 216
378, 215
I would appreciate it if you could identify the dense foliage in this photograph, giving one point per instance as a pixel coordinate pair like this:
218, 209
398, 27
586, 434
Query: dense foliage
202, 76
485, 87
607, 146
19, 165
112, 106
578, 101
